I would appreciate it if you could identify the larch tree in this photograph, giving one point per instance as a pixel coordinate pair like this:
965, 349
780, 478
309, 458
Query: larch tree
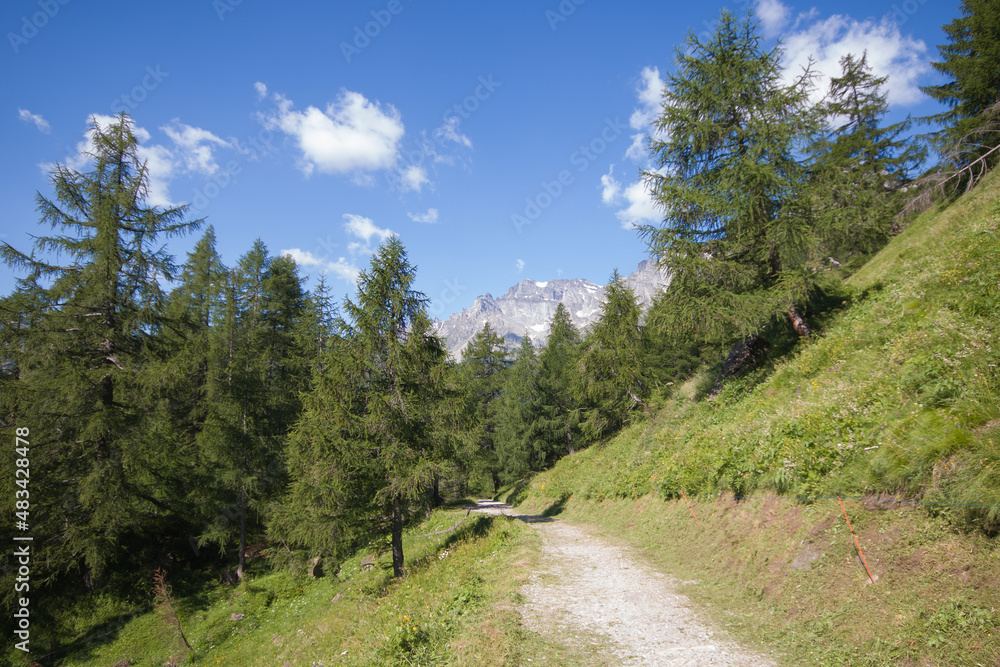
481, 377
858, 167
613, 380
728, 175
558, 416
364, 452
971, 63
95, 300
257, 373
519, 450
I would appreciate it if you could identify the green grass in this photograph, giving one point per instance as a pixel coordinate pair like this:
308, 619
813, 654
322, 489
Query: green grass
899, 392
455, 606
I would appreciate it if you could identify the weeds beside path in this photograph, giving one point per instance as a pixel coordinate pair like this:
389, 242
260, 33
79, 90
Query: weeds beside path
588, 592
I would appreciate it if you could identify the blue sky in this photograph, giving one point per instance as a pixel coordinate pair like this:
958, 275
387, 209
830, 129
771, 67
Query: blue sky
500, 141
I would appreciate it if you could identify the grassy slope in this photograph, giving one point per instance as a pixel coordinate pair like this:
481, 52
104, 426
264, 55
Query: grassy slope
456, 606
898, 396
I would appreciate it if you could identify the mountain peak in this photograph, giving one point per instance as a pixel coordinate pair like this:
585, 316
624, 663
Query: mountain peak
528, 307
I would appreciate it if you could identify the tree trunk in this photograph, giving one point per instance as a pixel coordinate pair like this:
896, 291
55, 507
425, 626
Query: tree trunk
436, 499
243, 534
798, 322
397, 539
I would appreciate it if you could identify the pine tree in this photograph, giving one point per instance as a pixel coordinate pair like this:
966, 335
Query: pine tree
858, 167
364, 452
613, 380
90, 330
558, 418
728, 178
971, 62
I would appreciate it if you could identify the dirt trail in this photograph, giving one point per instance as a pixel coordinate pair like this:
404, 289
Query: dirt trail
587, 587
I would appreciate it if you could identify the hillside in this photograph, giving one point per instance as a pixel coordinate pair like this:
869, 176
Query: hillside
895, 400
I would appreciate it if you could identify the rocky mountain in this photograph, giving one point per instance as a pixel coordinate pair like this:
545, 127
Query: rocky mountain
528, 307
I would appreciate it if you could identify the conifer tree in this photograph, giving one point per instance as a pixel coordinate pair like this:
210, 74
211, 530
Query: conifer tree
557, 417
365, 451
971, 62
858, 167
728, 179
257, 373
93, 315
481, 377
613, 380
519, 450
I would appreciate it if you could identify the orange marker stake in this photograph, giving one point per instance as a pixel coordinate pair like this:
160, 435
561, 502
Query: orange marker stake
689, 506
856, 540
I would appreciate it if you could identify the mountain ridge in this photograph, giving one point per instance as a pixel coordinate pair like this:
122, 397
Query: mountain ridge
527, 307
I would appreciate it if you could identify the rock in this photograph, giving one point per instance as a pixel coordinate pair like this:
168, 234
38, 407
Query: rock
236, 617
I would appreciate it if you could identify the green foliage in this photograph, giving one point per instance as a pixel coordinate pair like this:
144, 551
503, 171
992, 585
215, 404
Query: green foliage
858, 167
736, 235
557, 418
481, 377
79, 335
898, 396
456, 606
613, 380
971, 63
366, 448
519, 450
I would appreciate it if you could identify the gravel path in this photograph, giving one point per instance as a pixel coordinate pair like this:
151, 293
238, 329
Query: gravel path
587, 587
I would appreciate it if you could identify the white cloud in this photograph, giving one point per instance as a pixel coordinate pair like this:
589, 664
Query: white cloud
430, 217
773, 15
352, 134
902, 59
28, 117
450, 131
261, 90
413, 177
364, 229
649, 95
611, 189
195, 145
520, 265
641, 207
341, 268
637, 206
